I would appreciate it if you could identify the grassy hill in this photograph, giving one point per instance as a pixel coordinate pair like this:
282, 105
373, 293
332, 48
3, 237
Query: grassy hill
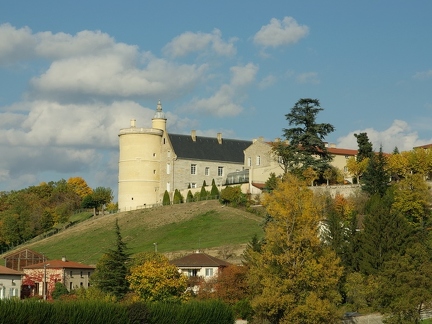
176, 229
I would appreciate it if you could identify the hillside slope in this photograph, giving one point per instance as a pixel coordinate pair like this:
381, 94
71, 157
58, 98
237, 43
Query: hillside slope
176, 229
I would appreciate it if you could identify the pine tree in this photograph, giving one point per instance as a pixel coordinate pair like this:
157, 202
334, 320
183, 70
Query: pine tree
386, 233
364, 147
306, 146
178, 198
203, 192
112, 268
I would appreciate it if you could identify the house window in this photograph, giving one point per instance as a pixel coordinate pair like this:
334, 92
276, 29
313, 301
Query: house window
280, 159
169, 153
345, 169
193, 185
168, 187
168, 168
193, 168
258, 160
81, 274
347, 156
81, 284
164, 140
249, 161
154, 154
220, 171
70, 273
209, 272
207, 171
70, 286
192, 272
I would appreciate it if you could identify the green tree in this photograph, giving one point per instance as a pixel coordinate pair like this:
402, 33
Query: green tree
364, 147
112, 268
203, 192
406, 285
232, 195
376, 177
166, 201
102, 196
214, 190
189, 197
386, 233
271, 182
178, 198
157, 280
59, 291
306, 146
294, 279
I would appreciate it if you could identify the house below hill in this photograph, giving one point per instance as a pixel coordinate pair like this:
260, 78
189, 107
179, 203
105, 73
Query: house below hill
40, 279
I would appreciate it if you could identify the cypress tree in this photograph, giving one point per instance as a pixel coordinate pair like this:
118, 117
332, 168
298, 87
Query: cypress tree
189, 197
214, 190
166, 199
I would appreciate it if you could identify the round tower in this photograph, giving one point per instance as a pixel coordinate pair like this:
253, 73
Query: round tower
139, 163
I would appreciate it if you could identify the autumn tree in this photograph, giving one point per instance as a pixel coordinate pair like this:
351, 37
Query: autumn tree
413, 199
356, 168
306, 147
79, 186
157, 280
112, 268
294, 278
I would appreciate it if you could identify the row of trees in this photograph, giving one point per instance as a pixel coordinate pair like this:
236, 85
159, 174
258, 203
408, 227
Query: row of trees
203, 194
29, 212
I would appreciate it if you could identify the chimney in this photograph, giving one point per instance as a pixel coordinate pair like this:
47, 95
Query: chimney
193, 135
277, 140
133, 121
332, 145
63, 258
219, 138
261, 139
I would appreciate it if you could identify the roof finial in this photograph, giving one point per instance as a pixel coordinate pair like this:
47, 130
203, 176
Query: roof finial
159, 113
159, 106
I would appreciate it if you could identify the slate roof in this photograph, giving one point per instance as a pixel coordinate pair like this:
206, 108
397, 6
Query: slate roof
208, 148
54, 264
199, 260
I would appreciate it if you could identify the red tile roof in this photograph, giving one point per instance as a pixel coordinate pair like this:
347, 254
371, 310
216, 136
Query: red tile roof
53, 264
8, 271
199, 260
341, 151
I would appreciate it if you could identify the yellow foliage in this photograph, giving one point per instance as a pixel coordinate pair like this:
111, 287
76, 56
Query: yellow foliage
157, 280
293, 267
79, 186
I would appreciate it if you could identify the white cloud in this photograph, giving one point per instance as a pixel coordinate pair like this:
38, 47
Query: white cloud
15, 44
278, 33
114, 76
399, 135
308, 77
227, 100
189, 42
243, 75
423, 75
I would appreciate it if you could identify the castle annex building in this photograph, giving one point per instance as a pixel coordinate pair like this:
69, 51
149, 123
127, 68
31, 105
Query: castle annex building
151, 161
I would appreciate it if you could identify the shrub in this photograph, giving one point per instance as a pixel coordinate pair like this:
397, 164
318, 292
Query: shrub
166, 199
59, 290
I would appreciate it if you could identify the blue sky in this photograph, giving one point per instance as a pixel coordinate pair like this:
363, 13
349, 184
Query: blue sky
72, 73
